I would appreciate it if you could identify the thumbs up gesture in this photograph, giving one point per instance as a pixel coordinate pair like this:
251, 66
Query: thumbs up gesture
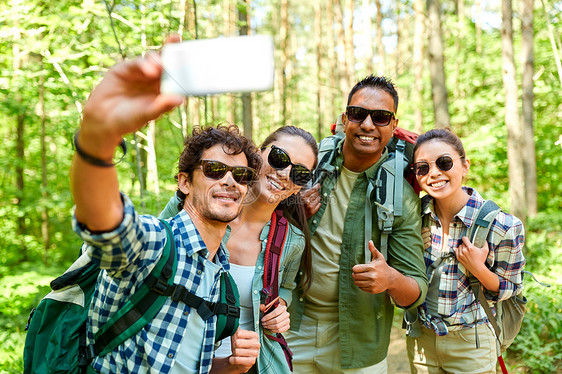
374, 277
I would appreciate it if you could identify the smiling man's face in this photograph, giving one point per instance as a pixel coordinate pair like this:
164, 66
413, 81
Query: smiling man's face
209, 200
365, 142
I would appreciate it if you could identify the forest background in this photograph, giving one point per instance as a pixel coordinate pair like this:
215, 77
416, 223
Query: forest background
489, 70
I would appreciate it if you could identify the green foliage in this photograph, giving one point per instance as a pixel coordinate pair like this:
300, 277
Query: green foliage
538, 347
21, 289
70, 44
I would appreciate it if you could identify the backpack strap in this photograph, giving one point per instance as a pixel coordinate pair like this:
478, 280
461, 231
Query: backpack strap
151, 296
270, 291
273, 250
387, 187
228, 314
143, 305
326, 153
478, 234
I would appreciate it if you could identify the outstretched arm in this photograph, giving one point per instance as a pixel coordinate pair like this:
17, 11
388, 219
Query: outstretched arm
124, 101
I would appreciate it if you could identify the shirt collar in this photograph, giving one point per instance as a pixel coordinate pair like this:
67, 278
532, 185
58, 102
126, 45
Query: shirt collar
467, 214
193, 242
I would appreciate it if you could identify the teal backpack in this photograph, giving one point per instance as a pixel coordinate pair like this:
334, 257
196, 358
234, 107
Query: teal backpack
385, 189
56, 330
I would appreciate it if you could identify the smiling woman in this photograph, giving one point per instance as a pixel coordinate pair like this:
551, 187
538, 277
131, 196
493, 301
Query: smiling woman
451, 313
289, 155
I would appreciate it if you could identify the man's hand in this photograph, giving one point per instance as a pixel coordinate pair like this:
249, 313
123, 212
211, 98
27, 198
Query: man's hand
245, 350
311, 199
278, 319
124, 101
375, 276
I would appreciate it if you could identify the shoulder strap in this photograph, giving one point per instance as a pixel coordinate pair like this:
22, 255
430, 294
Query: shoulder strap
228, 313
387, 187
478, 234
273, 250
143, 305
326, 152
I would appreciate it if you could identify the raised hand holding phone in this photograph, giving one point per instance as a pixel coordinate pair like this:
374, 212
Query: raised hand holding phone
220, 65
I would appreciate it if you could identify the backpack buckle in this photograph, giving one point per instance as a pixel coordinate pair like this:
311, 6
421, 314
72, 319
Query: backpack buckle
233, 311
160, 287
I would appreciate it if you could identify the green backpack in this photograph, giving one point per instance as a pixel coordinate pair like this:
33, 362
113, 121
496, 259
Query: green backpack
56, 330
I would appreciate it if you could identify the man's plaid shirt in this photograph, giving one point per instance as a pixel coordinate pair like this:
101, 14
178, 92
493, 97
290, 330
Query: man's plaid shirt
128, 254
456, 305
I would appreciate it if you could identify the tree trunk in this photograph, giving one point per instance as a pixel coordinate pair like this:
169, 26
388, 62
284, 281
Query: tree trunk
151, 165
436, 66
247, 118
368, 31
530, 163
418, 65
319, 57
231, 26
348, 42
284, 44
461, 32
44, 194
344, 80
553, 43
20, 145
514, 133
478, 25
381, 65
332, 67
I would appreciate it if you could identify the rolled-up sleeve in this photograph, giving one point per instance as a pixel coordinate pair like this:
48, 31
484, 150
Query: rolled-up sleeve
507, 241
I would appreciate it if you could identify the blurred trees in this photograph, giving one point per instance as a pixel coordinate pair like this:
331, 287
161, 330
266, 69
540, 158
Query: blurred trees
54, 53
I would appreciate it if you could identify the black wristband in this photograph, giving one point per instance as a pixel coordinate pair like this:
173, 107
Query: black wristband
94, 160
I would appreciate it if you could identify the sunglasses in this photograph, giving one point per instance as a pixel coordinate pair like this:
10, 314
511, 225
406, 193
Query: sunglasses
444, 163
217, 170
378, 116
279, 159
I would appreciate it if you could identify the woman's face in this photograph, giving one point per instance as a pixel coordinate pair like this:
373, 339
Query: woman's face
439, 183
276, 185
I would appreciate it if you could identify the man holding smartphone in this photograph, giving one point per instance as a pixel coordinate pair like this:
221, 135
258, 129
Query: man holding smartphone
342, 324
214, 171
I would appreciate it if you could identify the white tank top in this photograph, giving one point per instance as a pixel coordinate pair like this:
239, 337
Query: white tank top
243, 276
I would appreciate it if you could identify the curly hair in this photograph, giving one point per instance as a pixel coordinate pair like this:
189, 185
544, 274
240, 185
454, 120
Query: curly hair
203, 138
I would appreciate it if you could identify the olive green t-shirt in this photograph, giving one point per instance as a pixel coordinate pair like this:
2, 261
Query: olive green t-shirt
322, 298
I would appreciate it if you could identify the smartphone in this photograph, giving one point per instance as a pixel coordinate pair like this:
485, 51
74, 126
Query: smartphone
221, 65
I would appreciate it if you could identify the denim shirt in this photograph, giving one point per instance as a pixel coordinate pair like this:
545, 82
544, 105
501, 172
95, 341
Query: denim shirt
365, 319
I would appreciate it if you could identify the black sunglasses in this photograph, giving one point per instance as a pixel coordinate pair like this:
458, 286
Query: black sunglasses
444, 163
279, 159
379, 117
217, 170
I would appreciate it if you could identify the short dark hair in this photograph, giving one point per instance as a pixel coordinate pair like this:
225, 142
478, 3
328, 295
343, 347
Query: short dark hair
203, 138
378, 82
444, 135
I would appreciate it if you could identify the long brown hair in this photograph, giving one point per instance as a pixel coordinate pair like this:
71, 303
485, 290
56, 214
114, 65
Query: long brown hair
293, 206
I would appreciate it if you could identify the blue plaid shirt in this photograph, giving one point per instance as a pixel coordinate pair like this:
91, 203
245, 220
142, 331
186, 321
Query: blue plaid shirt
457, 306
128, 254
